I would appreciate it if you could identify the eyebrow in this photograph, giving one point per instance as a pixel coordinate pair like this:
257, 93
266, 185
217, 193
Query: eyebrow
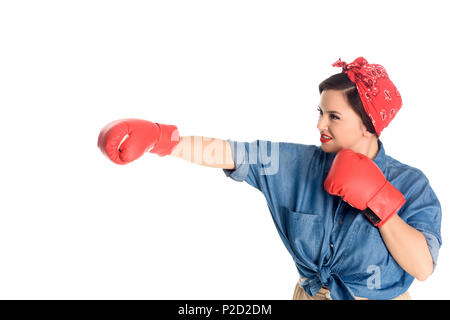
331, 111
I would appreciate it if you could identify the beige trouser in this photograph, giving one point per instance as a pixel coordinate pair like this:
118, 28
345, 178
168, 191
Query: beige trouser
324, 294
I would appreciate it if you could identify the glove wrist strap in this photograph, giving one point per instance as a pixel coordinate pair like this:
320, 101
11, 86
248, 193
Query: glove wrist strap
387, 201
168, 139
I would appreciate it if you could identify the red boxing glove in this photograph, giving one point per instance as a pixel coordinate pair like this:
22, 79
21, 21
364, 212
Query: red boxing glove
125, 140
360, 182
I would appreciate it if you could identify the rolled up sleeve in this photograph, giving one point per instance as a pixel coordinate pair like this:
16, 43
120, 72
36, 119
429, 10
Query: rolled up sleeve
239, 151
433, 245
256, 162
423, 212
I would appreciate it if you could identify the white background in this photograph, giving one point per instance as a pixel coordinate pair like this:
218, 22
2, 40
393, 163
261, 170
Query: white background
74, 225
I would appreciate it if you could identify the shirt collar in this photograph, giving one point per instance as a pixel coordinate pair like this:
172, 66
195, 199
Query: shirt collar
380, 158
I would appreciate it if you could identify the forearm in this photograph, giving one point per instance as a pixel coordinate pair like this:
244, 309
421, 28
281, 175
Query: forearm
205, 151
408, 247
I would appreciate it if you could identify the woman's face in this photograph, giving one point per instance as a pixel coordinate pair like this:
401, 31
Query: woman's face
338, 121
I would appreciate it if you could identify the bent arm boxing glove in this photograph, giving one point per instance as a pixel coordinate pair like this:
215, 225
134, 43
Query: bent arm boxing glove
359, 181
125, 140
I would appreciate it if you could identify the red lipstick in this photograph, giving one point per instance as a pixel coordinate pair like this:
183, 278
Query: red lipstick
324, 138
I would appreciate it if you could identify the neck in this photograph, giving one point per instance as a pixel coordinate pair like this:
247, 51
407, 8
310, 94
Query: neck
368, 148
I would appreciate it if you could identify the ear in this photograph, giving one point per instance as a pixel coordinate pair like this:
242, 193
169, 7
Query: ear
364, 131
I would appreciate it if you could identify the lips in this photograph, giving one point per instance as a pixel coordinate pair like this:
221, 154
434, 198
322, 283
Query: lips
325, 138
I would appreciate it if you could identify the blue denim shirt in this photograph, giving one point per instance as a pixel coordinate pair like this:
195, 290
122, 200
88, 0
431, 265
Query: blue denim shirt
332, 243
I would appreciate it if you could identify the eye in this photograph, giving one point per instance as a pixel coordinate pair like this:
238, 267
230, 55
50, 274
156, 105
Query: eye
332, 116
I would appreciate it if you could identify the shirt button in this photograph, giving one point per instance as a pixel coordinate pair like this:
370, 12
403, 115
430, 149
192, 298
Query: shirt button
340, 221
331, 245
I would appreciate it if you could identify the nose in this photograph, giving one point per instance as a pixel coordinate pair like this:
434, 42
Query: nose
322, 124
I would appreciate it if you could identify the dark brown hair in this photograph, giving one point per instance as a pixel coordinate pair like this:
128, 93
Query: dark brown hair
341, 82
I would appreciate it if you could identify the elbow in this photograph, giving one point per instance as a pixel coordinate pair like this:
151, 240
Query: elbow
424, 273
422, 277
425, 267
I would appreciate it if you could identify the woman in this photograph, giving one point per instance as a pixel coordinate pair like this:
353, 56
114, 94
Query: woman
358, 223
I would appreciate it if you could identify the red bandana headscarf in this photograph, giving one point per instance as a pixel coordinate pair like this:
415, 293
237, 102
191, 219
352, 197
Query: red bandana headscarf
379, 96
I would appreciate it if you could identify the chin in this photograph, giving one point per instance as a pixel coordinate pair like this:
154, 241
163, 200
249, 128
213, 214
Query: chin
329, 148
